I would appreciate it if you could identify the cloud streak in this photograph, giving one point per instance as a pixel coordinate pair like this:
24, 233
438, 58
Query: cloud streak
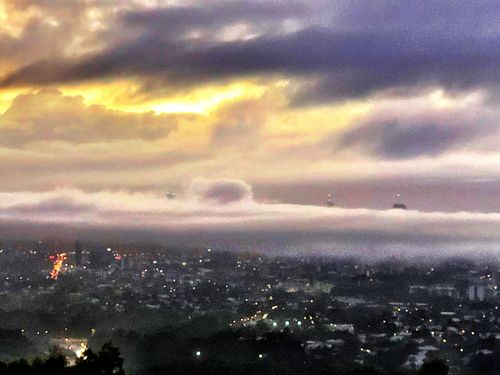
363, 51
224, 211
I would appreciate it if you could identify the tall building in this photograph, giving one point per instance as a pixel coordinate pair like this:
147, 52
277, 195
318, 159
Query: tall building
398, 204
78, 254
329, 201
476, 293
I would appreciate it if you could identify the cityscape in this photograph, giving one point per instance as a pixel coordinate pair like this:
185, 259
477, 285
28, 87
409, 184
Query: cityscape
242, 187
170, 308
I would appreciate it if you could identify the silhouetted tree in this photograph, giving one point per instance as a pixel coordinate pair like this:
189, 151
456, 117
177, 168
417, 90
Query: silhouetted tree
364, 371
106, 362
55, 364
434, 367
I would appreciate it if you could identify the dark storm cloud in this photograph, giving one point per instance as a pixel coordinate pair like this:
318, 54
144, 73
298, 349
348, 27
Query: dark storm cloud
365, 64
221, 191
425, 126
361, 51
459, 17
176, 20
397, 141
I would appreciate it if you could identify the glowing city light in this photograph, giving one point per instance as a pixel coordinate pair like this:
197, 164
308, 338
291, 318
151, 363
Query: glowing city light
81, 350
58, 262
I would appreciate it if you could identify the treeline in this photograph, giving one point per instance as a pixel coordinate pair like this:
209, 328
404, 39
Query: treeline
107, 361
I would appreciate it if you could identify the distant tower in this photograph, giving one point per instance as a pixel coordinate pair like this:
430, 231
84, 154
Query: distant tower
78, 254
329, 201
398, 204
124, 262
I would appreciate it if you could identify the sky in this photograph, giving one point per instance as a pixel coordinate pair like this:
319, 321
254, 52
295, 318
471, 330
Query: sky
266, 106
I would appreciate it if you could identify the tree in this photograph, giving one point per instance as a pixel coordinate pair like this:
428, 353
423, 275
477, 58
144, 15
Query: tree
106, 362
55, 364
434, 367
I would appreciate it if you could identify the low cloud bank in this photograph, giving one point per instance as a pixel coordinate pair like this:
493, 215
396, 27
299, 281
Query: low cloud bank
223, 212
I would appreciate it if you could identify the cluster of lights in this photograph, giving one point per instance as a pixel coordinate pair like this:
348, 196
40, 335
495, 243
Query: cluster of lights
58, 263
79, 353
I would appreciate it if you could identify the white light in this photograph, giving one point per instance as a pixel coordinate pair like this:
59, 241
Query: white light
198, 353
